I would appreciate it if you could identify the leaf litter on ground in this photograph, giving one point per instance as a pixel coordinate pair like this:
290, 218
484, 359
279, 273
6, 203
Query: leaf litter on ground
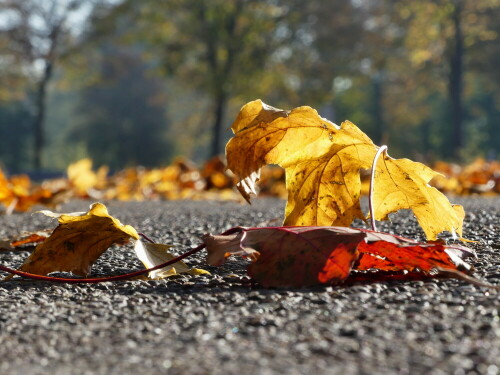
323, 164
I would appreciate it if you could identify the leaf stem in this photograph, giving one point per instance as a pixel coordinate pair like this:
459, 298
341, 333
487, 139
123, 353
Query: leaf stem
125, 276
372, 182
146, 237
102, 279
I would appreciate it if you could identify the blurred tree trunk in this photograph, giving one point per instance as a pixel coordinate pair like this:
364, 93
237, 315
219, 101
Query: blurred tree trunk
381, 136
426, 139
219, 112
455, 83
41, 96
220, 68
39, 124
221, 48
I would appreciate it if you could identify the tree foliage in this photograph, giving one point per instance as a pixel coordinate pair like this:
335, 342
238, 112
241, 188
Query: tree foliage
221, 48
127, 125
38, 35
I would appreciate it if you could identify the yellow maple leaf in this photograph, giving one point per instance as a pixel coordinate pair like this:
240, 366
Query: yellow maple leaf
323, 163
153, 254
77, 242
403, 184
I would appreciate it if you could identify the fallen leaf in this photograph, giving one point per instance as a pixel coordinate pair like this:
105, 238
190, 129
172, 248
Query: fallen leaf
152, 255
403, 184
306, 256
17, 193
77, 242
30, 238
289, 256
215, 174
386, 252
323, 163
83, 178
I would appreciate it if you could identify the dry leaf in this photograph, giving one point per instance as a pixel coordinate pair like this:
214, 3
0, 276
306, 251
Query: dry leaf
152, 255
292, 257
403, 184
306, 256
215, 174
387, 252
77, 242
322, 161
83, 178
323, 164
478, 177
18, 194
30, 238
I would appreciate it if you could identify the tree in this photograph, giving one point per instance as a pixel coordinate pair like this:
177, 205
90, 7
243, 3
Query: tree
441, 36
219, 47
16, 121
39, 35
357, 49
126, 124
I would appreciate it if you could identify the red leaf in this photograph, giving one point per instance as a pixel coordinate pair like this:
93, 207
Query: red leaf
30, 239
306, 256
397, 258
291, 256
387, 252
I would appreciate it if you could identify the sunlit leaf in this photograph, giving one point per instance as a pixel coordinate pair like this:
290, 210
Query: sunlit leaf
78, 241
18, 194
30, 238
403, 184
322, 161
152, 255
385, 252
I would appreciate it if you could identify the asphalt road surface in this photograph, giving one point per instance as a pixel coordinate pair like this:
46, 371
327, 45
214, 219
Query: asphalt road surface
222, 324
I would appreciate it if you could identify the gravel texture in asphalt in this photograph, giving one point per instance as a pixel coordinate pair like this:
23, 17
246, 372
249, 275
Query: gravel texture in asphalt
222, 324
